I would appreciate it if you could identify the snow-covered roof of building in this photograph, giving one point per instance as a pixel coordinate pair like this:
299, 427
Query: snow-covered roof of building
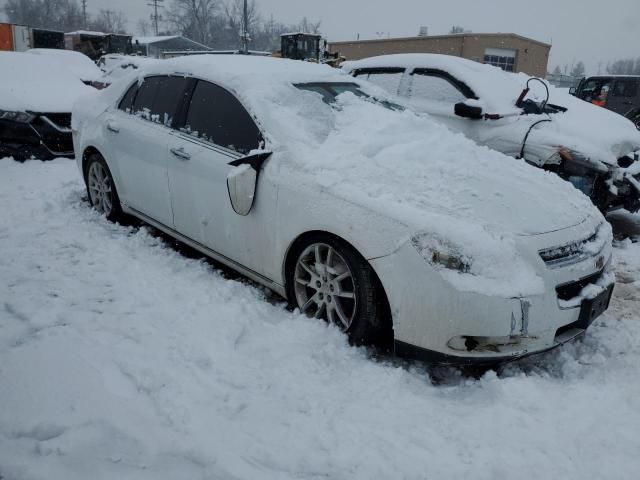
87, 32
156, 39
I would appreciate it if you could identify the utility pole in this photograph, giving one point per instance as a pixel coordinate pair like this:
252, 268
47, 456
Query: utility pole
245, 29
84, 14
154, 16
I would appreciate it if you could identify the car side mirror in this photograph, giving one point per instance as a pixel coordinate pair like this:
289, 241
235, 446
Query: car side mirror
572, 91
468, 111
242, 181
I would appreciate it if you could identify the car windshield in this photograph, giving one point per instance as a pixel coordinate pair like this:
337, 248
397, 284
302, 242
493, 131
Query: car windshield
331, 90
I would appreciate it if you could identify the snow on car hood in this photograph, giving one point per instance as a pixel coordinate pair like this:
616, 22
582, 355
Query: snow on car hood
75, 62
33, 83
445, 188
595, 132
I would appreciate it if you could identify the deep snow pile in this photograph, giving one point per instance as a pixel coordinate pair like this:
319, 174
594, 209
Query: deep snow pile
120, 358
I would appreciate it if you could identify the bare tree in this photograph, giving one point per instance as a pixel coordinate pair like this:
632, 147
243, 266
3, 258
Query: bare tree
578, 70
65, 15
143, 28
109, 21
194, 18
307, 26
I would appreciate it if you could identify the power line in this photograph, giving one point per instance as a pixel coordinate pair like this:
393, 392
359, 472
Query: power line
154, 16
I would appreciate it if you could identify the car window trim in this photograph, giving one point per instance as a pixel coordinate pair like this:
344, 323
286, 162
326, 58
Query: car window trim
379, 70
190, 84
462, 87
255, 121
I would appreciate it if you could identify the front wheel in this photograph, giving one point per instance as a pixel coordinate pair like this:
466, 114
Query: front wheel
101, 188
331, 281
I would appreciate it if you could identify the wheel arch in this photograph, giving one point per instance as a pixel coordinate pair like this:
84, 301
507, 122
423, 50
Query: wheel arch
289, 264
88, 152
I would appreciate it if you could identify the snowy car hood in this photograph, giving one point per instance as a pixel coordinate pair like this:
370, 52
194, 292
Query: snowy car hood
593, 131
414, 170
34, 83
75, 62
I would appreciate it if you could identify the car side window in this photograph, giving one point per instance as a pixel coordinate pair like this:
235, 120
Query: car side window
216, 116
625, 88
388, 79
159, 98
126, 104
435, 87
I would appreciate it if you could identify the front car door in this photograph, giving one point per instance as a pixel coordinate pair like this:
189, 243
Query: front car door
217, 130
624, 95
140, 128
436, 92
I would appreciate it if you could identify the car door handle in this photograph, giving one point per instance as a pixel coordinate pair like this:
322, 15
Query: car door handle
180, 153
113, 127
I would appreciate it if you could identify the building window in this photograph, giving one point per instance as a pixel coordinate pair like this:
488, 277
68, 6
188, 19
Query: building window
501, 57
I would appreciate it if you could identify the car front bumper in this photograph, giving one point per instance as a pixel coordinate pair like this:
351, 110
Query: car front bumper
42, 138
434, 321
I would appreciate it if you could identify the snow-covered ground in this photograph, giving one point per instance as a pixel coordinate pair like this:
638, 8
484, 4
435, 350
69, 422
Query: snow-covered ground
122, 358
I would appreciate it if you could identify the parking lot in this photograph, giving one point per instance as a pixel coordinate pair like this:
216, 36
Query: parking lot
120, 357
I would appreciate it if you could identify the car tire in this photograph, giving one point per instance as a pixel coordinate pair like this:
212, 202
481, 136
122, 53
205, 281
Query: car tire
328, 279
101, 189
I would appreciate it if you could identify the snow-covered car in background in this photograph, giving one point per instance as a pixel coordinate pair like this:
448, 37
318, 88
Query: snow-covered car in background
115, 65
395, 229
588, 146
36, 96
75, 62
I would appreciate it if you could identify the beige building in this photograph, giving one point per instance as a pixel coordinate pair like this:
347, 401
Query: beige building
508, 51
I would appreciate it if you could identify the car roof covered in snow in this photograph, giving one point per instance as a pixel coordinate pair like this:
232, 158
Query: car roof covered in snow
497, 89
241, 71
39, 84
78, 63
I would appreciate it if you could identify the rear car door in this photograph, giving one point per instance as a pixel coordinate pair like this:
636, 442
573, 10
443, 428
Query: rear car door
217, 130
139, 132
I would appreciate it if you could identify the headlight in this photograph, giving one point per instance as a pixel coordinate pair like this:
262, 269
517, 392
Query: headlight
20, 117
441, 255
579, 164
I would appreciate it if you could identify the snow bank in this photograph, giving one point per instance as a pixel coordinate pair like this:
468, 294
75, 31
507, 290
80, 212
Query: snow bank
34, 83
119, 358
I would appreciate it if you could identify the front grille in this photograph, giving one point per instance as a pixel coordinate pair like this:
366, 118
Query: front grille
63, 120
571, 253
571, 290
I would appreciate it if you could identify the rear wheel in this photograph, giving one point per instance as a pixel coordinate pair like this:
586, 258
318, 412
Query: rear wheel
101, 188
331, 281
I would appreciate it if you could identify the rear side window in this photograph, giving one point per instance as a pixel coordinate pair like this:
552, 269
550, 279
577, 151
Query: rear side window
388, 79
159, 98
126, 104
216, 116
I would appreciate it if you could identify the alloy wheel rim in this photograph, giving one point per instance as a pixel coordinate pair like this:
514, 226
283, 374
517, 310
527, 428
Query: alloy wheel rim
100, 189
324, 285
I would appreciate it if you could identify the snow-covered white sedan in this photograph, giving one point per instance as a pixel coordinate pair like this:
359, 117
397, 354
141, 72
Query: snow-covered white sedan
376, 219
520, 116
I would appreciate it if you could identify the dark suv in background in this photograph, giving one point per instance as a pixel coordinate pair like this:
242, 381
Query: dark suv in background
619, 93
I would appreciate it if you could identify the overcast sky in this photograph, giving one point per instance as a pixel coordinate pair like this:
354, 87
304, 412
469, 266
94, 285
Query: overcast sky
588, 30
